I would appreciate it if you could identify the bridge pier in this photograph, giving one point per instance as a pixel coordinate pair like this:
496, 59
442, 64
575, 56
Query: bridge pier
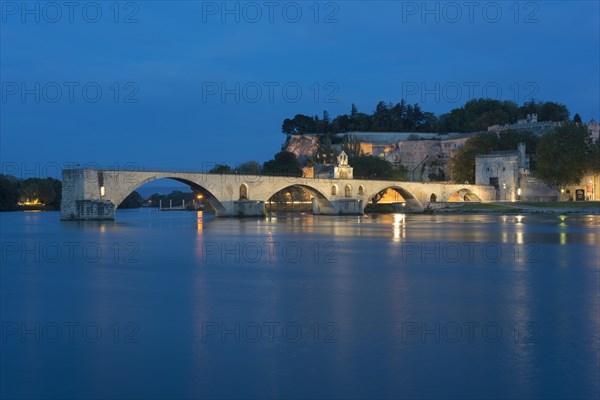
243, 208
346, 206
82, 197
322, 207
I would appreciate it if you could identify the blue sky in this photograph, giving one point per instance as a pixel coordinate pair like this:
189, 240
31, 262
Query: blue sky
187, 84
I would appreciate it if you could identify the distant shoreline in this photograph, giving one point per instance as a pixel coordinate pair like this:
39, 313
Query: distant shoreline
582, 208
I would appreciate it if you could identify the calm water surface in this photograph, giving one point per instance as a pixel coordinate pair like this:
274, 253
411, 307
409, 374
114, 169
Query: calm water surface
182, 305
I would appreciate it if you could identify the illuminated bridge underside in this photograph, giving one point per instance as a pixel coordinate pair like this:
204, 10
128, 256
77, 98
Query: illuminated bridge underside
95, 194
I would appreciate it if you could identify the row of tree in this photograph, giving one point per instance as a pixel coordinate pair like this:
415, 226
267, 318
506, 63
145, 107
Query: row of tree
46, 191
565, 154
283, 163
286, 163
476, 115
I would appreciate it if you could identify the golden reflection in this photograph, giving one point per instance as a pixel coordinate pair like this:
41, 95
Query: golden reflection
271, 248
519, 233
199, 226
563, 238
519, 238
399, 226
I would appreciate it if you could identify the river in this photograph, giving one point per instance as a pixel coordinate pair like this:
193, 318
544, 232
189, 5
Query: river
185, 305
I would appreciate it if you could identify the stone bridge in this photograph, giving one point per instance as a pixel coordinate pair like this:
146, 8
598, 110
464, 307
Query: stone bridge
95, 194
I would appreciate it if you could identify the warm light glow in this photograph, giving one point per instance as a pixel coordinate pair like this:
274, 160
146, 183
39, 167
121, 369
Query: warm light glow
199, 221
34, 202
391, 196
519, 238
399, 226
102, 191
562, 190
518, 191
199, 197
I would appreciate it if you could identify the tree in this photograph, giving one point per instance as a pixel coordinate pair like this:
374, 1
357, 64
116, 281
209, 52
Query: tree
284, 163
577, 118
546, 111
376, 168
134, 200
300, 124
594, 165
220, 169
9, 192
351, 146
353, 111
48, 191
562, 155
463, 164
325, 153
249, 168
551, 111
381, 119
476, 115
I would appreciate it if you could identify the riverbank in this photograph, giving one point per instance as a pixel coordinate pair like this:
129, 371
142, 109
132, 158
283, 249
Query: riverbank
587, 207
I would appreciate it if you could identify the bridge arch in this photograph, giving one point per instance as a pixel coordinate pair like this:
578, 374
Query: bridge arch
412, 203
213, 201
322, 202
463, 194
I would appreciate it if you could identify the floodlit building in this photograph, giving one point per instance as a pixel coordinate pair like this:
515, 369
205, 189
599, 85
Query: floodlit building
425, 156
508, 171
501, 170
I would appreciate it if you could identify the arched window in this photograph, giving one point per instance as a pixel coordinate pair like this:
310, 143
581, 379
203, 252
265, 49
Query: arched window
432, 198
348, 191
334, 190
361, 190
243, 191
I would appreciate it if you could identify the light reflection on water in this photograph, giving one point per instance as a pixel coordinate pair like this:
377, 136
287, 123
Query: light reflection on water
376, 277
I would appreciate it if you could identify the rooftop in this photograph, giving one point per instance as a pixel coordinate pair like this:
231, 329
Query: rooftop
500, 153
